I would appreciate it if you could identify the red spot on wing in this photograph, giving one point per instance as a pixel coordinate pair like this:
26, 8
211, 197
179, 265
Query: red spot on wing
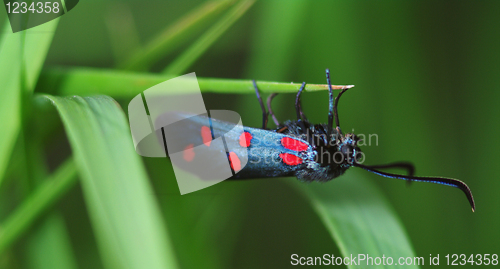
235, 162
245, 138
188, 153
206, 135
293, 144
290, 159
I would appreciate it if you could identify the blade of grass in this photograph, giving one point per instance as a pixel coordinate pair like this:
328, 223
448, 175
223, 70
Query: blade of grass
122, 31
182, 63
174, 36
129, 228
81, 81
48, 244
10, 103
21, 54
359, 219
54, 246
42, 198
277, 61
36, 46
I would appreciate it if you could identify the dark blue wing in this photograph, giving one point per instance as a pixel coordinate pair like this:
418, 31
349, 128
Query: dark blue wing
195, 146
267, 157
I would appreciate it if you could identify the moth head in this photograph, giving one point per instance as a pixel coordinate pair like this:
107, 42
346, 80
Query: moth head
348, 147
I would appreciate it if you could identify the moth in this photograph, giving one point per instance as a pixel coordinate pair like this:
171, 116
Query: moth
299, 148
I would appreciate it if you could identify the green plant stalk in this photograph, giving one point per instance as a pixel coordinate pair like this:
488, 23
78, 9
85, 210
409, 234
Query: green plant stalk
183, 62
123, 84
174, 36
41, 199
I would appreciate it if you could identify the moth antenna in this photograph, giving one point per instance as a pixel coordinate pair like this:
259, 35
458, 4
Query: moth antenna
437, 180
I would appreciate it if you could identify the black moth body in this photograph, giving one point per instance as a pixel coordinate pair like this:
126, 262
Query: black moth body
293, 151
310, 152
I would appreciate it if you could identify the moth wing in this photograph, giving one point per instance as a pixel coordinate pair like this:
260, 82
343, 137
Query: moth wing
202, 145
268, 157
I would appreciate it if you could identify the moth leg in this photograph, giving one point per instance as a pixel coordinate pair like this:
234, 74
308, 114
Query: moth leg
269, 100
282, 129
302, 115
298, 108
264, 114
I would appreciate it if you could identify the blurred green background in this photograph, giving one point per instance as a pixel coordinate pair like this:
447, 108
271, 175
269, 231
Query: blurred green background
427, 83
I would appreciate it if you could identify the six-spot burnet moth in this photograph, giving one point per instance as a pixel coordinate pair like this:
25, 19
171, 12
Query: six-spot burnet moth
310, 152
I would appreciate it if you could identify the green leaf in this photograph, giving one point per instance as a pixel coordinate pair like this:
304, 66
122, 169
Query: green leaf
126, 218
358, 218
21, 54
86, 81
37, 42
10, 103
182, 63
174, 36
